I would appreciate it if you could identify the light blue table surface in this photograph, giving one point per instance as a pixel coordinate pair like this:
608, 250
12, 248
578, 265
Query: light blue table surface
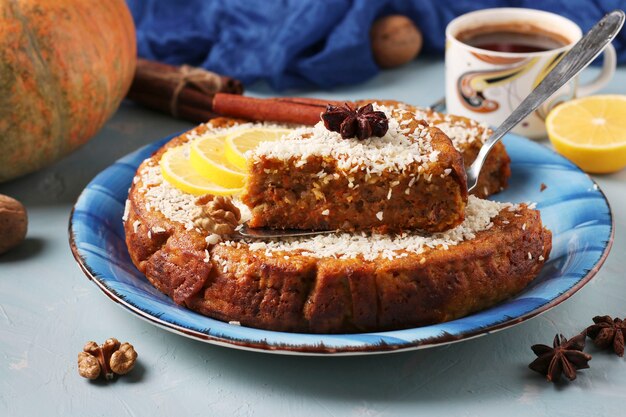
48, 310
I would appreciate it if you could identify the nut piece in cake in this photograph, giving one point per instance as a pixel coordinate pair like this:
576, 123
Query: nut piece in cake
410, 178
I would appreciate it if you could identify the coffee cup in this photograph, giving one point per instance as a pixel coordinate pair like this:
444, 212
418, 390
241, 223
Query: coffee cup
496, 57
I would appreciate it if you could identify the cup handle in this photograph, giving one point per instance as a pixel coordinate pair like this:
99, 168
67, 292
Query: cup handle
608, 70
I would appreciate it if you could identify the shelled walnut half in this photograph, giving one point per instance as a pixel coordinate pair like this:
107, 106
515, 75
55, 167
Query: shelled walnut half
218, 214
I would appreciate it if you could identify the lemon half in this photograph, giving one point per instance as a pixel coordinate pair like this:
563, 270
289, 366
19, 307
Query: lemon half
591, 132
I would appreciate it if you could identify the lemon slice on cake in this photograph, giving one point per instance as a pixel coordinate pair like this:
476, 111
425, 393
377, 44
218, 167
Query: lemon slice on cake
207, 158
242, 141
177, 170
591, 132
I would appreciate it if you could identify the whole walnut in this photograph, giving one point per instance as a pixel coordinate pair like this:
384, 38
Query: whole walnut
108, 359
13, 223
395, 41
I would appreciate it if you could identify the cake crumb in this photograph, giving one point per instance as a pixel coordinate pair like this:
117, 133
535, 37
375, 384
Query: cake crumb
326, 212
542, 187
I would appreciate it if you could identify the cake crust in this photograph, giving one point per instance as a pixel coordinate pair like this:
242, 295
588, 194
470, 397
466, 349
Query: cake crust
297, 292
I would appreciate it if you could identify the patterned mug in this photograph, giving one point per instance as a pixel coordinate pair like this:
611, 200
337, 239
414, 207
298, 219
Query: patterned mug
488, 85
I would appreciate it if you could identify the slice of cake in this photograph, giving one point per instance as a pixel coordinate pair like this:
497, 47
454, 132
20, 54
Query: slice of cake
373, 168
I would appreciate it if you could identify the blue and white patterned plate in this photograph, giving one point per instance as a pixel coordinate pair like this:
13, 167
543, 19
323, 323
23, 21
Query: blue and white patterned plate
572, 207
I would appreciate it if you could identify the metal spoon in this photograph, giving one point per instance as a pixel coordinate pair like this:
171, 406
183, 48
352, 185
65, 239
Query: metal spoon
581, 55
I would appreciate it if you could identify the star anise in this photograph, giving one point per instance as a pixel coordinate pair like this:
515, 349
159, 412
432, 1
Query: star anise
608, 332
361, 123
565, 356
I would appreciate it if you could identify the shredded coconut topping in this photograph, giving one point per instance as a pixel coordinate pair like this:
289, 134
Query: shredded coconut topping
459, 130
126, 209
372, 246
395, 151
163, 197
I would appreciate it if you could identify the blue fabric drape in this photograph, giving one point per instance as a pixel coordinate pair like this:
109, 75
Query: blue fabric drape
296, 43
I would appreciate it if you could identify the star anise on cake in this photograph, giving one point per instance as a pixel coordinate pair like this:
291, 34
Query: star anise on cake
361, 123
608, 333
564, 357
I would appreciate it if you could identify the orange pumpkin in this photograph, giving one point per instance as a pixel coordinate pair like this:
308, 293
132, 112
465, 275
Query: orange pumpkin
65, 66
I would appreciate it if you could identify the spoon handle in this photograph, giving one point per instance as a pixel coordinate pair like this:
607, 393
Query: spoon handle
581, 55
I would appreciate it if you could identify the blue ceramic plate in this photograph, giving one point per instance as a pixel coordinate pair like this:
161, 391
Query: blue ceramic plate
572, 207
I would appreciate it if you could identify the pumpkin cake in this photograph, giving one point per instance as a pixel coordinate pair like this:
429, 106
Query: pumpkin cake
410, 177
341, 282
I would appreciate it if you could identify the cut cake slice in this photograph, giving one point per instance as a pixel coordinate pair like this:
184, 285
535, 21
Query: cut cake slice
313, 179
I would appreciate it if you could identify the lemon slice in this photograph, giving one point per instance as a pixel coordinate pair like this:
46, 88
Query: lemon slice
177, 170
207, 158
239, 142
591, 132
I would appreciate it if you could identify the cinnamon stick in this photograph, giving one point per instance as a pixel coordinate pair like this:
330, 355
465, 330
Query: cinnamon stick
185, 92
191, 113
296, 110
147, 69
197, 95
166, 89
